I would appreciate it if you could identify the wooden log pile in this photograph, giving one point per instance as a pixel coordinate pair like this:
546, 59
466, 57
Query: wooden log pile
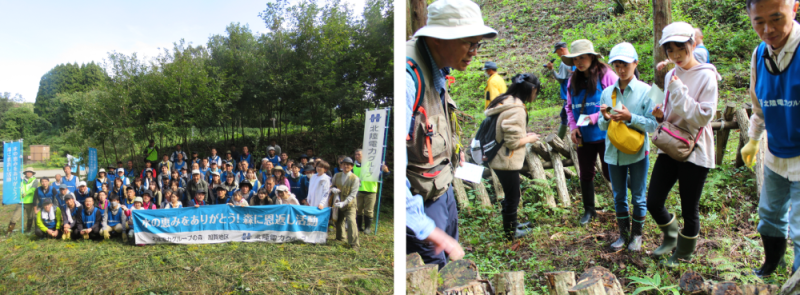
459, 277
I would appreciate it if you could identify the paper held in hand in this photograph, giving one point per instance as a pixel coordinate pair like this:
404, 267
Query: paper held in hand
656, 94
584, 121
470, 172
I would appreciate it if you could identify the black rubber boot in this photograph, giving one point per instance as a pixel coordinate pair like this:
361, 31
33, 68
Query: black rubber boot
510, 227
774, 249
359, 223
587, 195
624, 225
635, 243
367, 225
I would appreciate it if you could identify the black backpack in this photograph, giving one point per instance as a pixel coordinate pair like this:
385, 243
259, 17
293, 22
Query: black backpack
484, 146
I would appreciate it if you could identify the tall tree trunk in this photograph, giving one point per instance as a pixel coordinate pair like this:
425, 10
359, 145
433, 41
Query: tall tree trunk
662, 16
416, 16
105, 154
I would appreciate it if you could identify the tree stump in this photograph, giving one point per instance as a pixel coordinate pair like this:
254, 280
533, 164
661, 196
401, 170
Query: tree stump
723, 133
480, 193
725, 288
498, 188
458, 273
422, 280
461, 193
760, 289
693, 283
610, 282
593, 286
560, 282
538, 174
472, 288
414, 260
510, 283
561, 182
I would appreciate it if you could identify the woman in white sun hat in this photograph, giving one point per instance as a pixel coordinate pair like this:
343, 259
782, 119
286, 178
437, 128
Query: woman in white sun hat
450, 39
591, 76
691, 101
629, 160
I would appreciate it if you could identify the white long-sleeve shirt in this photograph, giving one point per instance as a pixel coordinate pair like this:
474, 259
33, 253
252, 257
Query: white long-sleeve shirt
318, 190
789, 168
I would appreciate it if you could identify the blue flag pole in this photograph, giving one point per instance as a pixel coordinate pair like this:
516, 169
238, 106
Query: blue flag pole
383, 162
21, 203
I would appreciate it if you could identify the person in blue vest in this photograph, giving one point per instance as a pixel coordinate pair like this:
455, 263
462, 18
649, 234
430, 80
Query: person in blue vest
583, 104
204, 169
48, 221
115, 221
265, 170
90, 219
310, 154
121, 176
44, 192
222, 196
269, 188
562, 76
298, 181
214, 169
179, 163
229, 159
137, 205
199, 199
214, 158
102, 178
228, 173
130, 172
273, 157
69, 214
165, 163
118, 189
284, 158
130, 198
63, 193
174, 157
82, 193
70, 180
246, 189
195, 159
241, 174
111, 173
246, 157
775, 94
303, 162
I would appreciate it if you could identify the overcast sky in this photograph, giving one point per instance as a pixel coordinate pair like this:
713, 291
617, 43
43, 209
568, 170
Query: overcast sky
35, 36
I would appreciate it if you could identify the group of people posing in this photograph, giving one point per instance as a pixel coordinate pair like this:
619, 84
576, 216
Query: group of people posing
610, 113
69, 208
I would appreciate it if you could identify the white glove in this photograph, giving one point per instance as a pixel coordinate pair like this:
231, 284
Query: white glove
339, 204
335, 190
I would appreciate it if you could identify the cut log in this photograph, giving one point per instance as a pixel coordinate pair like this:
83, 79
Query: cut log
481, 196
744, 126
461, 193
549, 175
414, 260
560, 282
569, 174
510, 283
610, 282
724, 288
561, 181
598, 168
573, 154
730, 125
498, 188
540, 149
538, 173
760, 289
693, 283
422, 280
557, 145
792, 285
473, 288
724, 131
458, 273
759, 168
592, 286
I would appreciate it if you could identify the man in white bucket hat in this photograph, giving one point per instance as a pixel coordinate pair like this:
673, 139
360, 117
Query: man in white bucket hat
29, 185
450, 39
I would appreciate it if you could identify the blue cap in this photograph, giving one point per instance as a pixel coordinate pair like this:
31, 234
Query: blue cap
489, 65
623, 52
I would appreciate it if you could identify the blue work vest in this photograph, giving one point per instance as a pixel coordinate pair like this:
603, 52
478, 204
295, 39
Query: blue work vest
88, 220
114, 219
72, 186
590, 133
779, 97
49, 194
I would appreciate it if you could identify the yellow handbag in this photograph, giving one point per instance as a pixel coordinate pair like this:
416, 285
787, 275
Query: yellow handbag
625, 139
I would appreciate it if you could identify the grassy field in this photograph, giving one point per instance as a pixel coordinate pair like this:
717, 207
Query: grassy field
30, 265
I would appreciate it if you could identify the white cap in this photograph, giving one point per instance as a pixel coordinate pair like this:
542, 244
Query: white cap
624, 52
120, 170
282, 188
677, 32
195, 171
82, 183
454, 19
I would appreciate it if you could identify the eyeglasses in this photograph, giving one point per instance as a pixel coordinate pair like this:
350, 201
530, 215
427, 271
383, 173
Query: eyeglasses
474, 46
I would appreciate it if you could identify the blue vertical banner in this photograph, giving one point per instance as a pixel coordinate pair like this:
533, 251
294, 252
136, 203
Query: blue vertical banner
12, 173
91, 172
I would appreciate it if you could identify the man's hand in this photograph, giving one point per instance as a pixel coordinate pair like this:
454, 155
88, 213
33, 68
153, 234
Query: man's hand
463, 159
622, 115
385, 168
576, 134
319, 207
335, 190
550, 66
443, 242
662, 64
339, 204
657, 112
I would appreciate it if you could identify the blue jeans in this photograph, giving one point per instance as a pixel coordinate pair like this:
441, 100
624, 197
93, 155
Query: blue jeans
444, 213
777, 194
638, 179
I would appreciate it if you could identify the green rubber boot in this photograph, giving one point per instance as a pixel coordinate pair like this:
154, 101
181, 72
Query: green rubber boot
670, 231
562, 130
684, 251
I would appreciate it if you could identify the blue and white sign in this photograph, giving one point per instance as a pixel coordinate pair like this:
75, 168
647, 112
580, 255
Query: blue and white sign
373, 145
92, 170
12, 173
224, 223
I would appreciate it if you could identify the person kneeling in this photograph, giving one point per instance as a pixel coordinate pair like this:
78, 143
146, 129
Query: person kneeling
48, 220
89, 219
285, 197
115, 221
